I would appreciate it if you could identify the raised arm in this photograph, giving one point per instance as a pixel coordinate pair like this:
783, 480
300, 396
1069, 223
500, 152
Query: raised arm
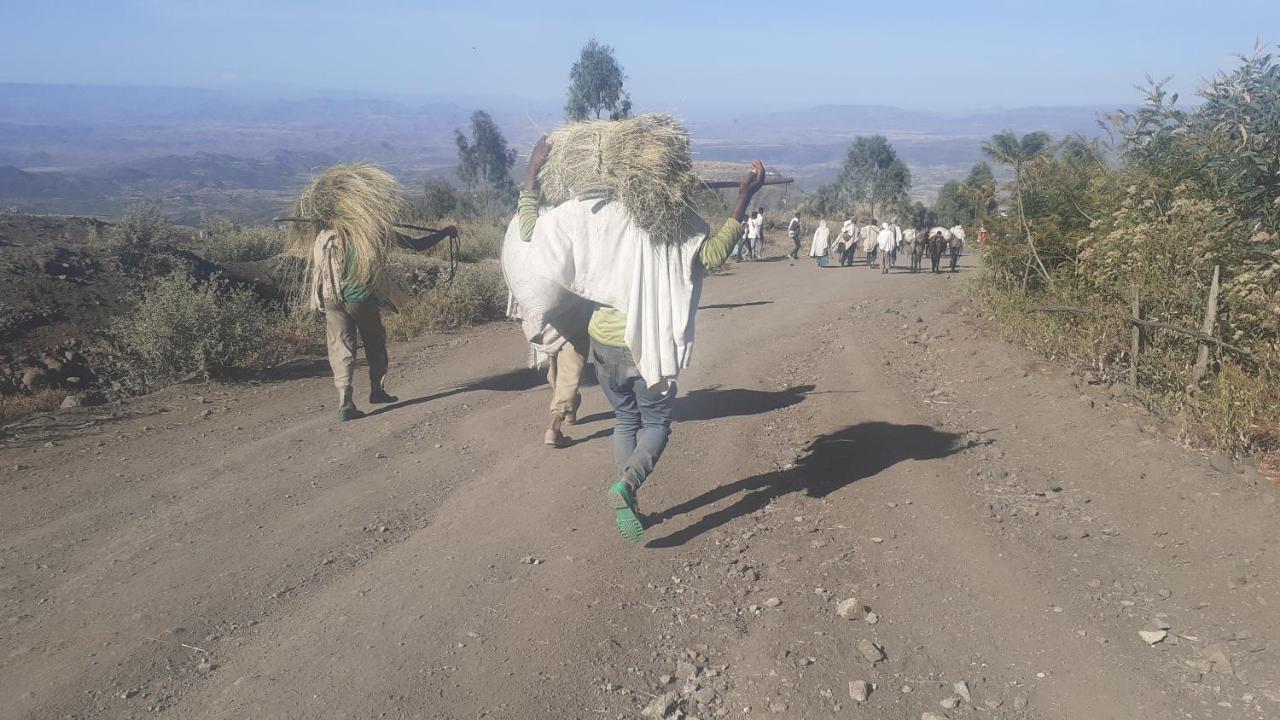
527, 207
427, 242
715, 249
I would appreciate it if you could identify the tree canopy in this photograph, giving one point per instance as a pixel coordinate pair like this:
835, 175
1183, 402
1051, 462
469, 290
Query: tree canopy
595, 85
873, 177
968, 202
485, 162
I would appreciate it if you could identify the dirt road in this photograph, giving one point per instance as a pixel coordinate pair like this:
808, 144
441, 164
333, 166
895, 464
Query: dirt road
231, 552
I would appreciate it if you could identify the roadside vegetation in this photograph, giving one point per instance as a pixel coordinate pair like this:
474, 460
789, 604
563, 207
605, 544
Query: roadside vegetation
1178, 194
186, 325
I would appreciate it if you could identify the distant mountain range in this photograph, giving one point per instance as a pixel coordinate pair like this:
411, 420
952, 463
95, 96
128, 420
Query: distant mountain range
90, 149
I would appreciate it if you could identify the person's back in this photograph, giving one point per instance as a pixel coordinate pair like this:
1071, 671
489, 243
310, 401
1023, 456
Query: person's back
955, 246
869, 234
645, 294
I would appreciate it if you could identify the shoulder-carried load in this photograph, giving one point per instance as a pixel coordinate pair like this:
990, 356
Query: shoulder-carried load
359, 203
644, 163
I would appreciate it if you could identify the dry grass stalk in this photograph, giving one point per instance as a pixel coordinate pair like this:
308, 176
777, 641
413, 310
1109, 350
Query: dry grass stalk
358, 202
643, 162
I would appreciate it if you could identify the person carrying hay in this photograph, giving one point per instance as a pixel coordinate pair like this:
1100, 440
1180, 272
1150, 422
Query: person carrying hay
623, 237
354, 208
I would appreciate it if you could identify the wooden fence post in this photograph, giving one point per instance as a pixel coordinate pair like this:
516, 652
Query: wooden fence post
1135, 338
1210, 319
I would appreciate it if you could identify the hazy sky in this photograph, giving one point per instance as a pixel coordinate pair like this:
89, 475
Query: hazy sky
917, 53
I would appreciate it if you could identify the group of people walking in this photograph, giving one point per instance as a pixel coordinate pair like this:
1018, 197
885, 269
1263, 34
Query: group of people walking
880, 243
750, 242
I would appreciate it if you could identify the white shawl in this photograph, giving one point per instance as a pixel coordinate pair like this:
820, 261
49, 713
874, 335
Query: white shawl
821, 240
587, 251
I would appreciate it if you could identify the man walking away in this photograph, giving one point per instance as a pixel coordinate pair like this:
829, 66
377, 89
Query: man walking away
937, 244
870, 232
849, 237
793, 232
753, 235
955, 246
759, 246
347, 269
897, 243
884, 246
642, 327
821, 244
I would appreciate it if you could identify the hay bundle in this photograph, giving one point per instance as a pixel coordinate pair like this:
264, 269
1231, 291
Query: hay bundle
643, 162
358, 202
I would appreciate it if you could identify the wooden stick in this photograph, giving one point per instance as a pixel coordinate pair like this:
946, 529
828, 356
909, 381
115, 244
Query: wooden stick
1144, 323
722, 185
1135, 340
1210, 319
421, 228
406, 226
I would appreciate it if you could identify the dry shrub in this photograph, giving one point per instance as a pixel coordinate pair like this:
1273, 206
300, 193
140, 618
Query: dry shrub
13, 407
1102, 347
478, 294
249, 244
298, 330
180, 327
1238, 410
142, 225
480, 240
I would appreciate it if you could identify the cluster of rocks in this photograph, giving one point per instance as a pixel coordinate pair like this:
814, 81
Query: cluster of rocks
694, 690
60, 367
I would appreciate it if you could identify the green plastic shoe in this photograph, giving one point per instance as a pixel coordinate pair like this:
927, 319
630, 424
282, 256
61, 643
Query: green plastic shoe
623, 501
345, 414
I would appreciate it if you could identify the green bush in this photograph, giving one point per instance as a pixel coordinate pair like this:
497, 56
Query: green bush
180, 327
476, 295
1182, 193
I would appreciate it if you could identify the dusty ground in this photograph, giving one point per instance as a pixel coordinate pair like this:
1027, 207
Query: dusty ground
231, 552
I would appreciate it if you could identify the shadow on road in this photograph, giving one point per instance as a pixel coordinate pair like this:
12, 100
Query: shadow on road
513, 381
603, 433
714, 402
595, 417
830, 463
730, 306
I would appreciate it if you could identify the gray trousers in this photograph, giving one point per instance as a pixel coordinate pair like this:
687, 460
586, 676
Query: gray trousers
641, 415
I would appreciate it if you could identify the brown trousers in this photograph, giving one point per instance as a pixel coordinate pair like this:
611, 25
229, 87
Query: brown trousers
343, 324
564, 372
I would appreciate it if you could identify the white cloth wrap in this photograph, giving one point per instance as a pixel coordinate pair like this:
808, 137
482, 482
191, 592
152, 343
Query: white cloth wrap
590, 251
821, 241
